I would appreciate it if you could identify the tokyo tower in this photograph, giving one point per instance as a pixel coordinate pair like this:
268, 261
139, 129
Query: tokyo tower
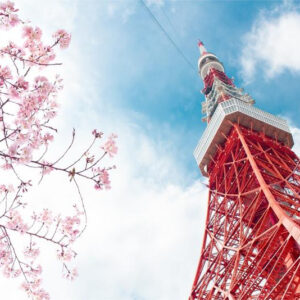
251, 242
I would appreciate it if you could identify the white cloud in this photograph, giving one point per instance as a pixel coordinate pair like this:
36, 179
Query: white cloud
272, 45
144, 236
51, 15
126, 9
296, 135
112, 9
121, 10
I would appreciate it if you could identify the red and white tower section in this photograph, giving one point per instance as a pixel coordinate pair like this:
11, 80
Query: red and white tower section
251, 242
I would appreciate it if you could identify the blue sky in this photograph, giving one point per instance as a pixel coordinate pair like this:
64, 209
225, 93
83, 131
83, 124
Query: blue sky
122, 75
145, 75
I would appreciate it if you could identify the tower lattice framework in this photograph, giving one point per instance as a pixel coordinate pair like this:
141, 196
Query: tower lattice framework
251, 241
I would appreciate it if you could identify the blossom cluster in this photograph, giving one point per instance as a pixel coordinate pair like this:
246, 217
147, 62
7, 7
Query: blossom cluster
28, 104
8, 16
110, 145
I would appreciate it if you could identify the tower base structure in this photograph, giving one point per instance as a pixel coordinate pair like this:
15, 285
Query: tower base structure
251, 242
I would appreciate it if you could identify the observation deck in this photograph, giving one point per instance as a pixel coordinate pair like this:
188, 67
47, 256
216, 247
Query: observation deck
236, 111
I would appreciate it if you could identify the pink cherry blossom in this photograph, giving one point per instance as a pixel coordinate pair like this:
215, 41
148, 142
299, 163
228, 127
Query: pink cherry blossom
47, 169
32, 251
13, 20
5, 256
5, 74
97, 186
46, 217
13, 92
71, 274
32, 33
8, 18
14, 50
63, 38
110, 146
6, 166
65, 255
22, 84
97, 134
6, 188
47, 138
16, 222
104, 178
7, 6
10, 188
42, 85
69, 225
41, 294
34, 292
8, 271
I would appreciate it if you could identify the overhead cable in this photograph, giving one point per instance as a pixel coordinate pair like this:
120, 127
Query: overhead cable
169, 20
155, 20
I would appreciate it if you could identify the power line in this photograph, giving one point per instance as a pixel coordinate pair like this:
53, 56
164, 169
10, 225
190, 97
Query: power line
169, 20
155, 20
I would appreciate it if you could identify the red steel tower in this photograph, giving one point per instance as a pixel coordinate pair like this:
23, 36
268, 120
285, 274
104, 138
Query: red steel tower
251, 241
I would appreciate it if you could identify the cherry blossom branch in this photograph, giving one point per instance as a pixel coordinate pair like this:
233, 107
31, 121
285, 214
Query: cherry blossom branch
28, 105
67, 150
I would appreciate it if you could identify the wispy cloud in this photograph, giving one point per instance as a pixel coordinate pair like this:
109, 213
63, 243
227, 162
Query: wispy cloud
272, 45
123, 10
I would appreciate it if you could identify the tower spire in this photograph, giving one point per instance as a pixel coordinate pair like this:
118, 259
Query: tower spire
202, 48
218, 87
